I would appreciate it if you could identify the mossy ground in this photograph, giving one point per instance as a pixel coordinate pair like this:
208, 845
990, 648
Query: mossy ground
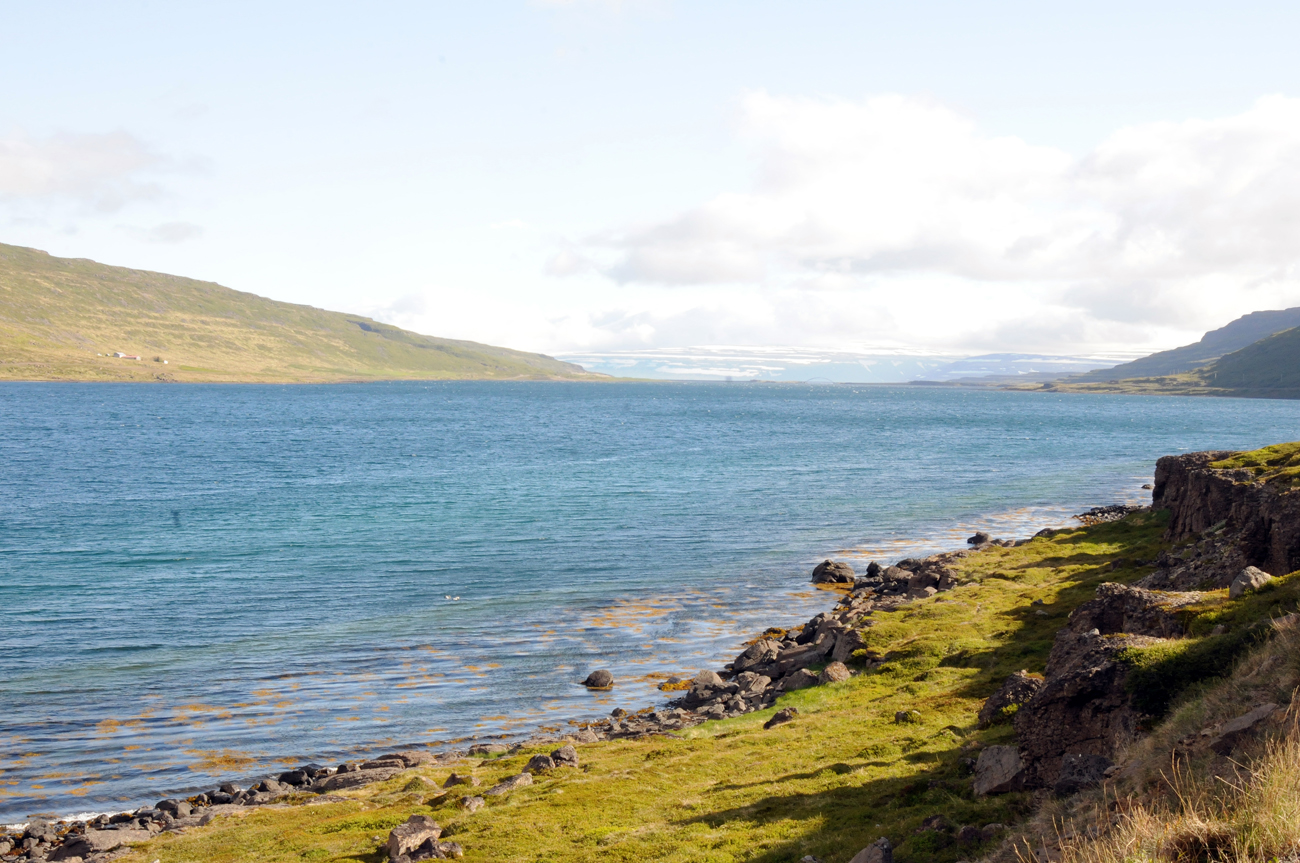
841, 775
1278, 464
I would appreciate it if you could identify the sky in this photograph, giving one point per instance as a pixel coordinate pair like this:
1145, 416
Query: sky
579, 178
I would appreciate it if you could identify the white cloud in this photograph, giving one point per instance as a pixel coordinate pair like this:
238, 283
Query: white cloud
963, 238
166, 233
103, 172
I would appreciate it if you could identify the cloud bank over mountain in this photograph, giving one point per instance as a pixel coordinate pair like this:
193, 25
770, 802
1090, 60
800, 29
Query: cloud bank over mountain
904, 204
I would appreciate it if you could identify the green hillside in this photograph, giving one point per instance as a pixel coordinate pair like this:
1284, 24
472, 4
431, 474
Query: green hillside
1242, 332
1269, 368
63, 318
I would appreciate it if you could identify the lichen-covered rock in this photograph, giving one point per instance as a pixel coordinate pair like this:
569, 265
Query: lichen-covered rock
505, 786
565, 756
833, 673
999, 770
1250, 578
540, 764
407, 838
1015, 690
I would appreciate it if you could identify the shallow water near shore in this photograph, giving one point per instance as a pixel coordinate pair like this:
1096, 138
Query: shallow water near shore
206, 582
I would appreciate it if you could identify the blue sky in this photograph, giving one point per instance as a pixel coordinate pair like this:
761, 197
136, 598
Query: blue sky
606, 176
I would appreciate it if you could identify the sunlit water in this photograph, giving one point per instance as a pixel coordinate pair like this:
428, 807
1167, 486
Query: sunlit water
203, 582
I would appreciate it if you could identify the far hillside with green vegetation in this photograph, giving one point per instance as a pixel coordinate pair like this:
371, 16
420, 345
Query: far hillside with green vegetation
1268, 368
64, 318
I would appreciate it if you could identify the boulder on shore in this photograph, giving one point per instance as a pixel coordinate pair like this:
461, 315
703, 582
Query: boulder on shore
600, 679
832, 572
1251, 578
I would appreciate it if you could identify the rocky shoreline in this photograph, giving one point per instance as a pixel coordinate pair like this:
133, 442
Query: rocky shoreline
778, 661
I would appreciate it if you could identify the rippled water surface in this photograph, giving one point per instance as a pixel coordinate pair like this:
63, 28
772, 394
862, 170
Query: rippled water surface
205, 581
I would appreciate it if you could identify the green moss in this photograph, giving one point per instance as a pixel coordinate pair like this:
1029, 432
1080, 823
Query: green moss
1278, 464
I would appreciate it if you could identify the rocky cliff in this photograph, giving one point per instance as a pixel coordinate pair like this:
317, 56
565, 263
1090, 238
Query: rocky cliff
1249, 517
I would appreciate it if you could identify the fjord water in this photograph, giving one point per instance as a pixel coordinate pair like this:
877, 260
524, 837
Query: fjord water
206, 582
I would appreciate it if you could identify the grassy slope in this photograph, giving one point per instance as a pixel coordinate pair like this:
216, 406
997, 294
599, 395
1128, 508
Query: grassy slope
1269, 368
828, 784
56, 314
1234, 336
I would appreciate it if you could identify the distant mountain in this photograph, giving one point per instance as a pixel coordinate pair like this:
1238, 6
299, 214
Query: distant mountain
64, 318
1268, 368
1244, 331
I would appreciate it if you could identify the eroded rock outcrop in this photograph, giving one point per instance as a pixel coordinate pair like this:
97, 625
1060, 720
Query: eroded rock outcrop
1260, 520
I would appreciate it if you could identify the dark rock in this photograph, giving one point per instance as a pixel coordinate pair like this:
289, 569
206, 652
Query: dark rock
980, 538
1260, 520
1079, 771
873, 570
761, 653
98, 842
998, 770
408, 837
879, 851
932, 823
600, 679
1083, 707
969, 834
295, 777
471, 804
353, 779
782, 716
801, 679
907, 717
832, 572
565, 756
990, 831
40, 830
540, 764
1015, 690
1119, 608
488, 749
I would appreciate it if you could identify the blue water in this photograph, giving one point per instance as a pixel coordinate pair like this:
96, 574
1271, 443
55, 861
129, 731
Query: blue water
206, 581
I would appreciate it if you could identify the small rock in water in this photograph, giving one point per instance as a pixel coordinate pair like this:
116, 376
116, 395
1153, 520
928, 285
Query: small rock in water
832, 572
600, 679
980, 538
